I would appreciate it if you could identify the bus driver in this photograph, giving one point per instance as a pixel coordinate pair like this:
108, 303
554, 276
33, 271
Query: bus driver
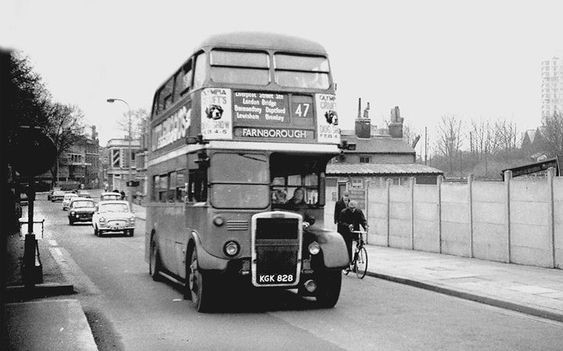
297, 204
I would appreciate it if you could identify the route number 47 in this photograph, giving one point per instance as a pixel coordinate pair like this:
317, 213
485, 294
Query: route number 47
302, 110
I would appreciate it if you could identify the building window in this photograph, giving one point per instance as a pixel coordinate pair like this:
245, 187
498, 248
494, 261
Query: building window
364, 159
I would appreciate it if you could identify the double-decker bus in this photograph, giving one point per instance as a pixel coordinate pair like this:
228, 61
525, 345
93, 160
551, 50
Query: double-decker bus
244, 123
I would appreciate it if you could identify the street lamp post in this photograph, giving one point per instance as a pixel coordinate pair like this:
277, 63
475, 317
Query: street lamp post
129, 171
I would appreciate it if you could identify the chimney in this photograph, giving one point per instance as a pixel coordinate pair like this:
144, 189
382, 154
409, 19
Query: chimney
94, 133
363, 125
396, 125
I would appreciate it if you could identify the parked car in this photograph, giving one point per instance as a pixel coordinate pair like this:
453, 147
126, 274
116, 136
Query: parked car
110, 196
66, 200
113, 216
56, 195
83, 193
80, 209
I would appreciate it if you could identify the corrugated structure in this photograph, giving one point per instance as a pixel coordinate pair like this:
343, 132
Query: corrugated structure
387, 169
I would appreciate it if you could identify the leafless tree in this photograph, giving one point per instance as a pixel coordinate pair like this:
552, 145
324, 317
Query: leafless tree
552, 130
138, 120
449, 139
65, 128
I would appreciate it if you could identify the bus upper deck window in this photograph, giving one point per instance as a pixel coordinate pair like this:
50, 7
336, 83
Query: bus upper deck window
300, 71
237, 67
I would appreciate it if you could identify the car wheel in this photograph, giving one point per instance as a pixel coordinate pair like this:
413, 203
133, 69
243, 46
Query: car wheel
154, 262
70, 221
131, 232
96, 232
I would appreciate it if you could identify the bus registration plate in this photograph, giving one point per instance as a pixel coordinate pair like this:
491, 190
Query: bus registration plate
276, 266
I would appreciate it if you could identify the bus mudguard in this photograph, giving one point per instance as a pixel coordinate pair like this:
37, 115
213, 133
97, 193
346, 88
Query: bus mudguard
205, 259
333, 246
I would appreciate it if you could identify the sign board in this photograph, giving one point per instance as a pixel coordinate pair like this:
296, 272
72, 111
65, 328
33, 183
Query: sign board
132, 183
31, 152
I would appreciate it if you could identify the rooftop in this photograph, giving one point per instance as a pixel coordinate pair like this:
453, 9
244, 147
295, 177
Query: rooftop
380, 168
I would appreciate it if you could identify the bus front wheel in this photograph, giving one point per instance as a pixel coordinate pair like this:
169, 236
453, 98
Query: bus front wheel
200, 285
328, 290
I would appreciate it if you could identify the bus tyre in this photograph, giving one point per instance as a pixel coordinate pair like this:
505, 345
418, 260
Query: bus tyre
200, 285
154, 262
328, 290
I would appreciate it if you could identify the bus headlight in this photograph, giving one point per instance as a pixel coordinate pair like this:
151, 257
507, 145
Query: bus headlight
314, 248
231, 248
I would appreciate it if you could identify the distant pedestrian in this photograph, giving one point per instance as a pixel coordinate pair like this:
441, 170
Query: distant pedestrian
341, 205
122, 195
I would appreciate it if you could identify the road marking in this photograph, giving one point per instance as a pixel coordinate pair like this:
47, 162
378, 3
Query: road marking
53, 242
73, 273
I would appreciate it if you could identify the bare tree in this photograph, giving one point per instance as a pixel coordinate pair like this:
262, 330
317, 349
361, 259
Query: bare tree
138, 119
506, 135
552, 130
449, 139
65, 128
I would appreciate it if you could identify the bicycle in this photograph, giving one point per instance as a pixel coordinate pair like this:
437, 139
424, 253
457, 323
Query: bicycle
359, 264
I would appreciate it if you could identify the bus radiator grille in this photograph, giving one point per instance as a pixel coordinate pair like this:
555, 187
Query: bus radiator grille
277, 228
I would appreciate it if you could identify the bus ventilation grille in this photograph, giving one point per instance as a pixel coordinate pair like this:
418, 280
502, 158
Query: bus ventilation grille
237, 224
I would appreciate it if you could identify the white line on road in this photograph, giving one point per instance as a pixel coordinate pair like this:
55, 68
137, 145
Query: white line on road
72, 272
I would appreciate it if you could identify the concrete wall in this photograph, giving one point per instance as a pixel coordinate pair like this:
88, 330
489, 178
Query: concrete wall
518, 221
490, 240
426, 218
558, 221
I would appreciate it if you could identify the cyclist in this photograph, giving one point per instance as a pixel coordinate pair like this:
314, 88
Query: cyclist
351, 218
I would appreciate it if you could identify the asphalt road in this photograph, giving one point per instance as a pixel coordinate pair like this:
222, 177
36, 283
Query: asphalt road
129, 311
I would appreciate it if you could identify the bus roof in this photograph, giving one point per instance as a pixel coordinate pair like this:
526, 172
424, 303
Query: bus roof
263, 40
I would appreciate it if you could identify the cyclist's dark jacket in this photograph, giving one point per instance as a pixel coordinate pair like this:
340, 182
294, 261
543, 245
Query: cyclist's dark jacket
356, 217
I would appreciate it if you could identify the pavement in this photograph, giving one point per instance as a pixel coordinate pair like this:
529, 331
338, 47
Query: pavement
37, 323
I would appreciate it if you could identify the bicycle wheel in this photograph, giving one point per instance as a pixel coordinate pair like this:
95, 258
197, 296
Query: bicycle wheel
361, 266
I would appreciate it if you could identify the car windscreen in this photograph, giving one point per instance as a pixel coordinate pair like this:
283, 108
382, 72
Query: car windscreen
114, 208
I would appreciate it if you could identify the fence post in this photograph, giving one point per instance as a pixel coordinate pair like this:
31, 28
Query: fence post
366, 198
439, 180
388, 190
470, 191
507, 180
412, 183
551, 214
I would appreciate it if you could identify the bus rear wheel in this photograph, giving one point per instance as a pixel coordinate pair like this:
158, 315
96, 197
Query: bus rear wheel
328, 290
200, 285
154, 262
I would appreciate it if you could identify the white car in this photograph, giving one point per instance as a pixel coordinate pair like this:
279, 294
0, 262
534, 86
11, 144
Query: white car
66, 200
113, 216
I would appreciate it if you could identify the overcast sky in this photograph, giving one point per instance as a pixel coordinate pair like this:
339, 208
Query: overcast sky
474, 59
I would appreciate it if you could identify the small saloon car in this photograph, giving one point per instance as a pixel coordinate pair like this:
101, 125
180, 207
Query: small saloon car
66, 200
80, 210
113, 216
56, 195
